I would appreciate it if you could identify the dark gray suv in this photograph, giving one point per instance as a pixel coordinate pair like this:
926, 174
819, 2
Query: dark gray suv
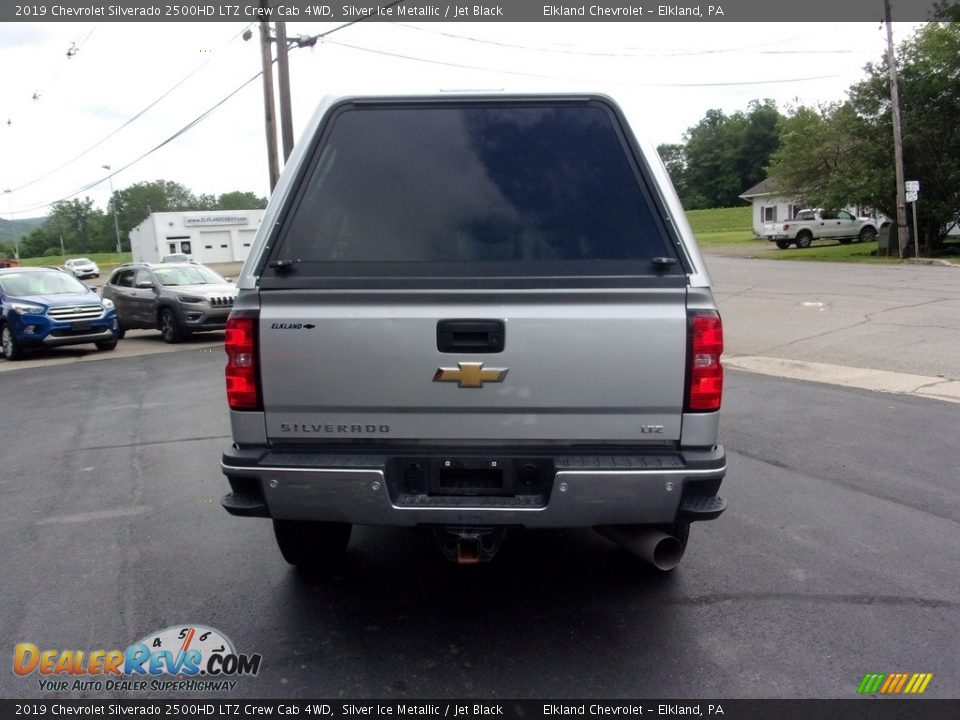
175, 298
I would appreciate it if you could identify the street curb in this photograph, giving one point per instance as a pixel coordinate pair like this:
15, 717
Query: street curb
930, 261
864, 378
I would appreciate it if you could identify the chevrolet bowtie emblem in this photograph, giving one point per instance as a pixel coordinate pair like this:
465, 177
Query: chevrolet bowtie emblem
470, 374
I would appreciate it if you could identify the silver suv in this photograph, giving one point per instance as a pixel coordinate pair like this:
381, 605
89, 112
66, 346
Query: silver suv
474, 313
175, 298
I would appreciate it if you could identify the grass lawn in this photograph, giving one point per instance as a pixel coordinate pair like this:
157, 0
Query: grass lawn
721, 226
834, 252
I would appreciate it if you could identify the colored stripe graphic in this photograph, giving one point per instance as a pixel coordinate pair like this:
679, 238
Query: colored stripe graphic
889, 683
871, 683
894, 683
922, 684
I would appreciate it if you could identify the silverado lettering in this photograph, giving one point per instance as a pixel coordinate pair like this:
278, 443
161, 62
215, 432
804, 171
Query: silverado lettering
316, 428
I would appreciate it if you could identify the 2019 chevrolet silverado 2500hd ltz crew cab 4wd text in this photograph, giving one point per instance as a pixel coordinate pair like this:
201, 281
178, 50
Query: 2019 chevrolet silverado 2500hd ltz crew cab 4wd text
472, 313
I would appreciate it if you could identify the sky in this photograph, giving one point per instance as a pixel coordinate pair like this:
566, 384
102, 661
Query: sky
128, 88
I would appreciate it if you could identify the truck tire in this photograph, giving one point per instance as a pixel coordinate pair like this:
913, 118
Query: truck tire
783, 244
868, 234
312, 546
804, 239
169, 326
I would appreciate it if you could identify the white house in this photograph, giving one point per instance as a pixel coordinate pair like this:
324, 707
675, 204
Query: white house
208, 236
769, 205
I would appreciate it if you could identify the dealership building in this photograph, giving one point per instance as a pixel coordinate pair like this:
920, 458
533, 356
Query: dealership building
218, 236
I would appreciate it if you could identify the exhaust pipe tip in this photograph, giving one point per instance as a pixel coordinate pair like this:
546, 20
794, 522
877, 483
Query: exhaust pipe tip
648, 543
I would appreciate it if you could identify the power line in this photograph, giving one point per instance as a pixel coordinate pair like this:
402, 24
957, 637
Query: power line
128, 122
325, 37
200, 118
751, 49
354, 22
173, 137
464, 66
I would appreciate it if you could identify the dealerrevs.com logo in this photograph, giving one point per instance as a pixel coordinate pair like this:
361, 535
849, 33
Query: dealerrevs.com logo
178, 658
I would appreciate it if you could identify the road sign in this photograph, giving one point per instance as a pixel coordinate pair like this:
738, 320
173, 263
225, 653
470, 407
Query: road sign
912, 186
911, 196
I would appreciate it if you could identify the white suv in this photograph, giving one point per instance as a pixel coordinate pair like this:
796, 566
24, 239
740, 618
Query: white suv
81, 268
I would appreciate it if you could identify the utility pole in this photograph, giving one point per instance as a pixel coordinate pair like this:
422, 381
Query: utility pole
13, 228
266, 57
283, 77
897, 133
116, 222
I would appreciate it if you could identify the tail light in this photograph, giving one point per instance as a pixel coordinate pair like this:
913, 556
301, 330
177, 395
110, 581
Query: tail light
240, 342
705, 373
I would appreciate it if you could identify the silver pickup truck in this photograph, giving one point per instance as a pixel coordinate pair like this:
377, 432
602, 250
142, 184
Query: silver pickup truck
474, 313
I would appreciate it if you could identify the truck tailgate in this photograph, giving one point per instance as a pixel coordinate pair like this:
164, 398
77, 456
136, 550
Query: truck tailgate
577, 365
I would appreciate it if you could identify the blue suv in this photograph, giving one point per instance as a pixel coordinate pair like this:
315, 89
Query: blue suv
42, 307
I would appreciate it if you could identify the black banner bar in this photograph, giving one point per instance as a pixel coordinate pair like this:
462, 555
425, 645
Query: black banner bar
464, 11
225, 707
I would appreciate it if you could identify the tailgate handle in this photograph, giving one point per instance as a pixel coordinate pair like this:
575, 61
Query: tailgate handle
470, 336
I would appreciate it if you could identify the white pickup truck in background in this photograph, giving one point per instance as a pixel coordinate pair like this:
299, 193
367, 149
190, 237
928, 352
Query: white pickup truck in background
810, 225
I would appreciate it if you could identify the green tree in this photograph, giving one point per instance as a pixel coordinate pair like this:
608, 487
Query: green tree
239, 200
723, 155
82, 227
35, 243
711, 148
843, 154
760, 139
824, 157
135, 203
205, 201
674, 158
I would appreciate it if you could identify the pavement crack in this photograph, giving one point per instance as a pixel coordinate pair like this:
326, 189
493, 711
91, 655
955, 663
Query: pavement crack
869, 316
846, 484
815, 336
819, 599
151, 444
930, 384
735, 294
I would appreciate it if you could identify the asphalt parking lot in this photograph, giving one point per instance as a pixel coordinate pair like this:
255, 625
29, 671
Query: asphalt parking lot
837, 556
849, 325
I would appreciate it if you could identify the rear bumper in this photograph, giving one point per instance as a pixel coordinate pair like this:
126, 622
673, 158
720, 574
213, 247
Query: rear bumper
582, 491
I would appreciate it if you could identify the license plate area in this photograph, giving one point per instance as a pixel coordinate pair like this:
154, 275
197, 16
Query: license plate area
470, 476
474, 476
469, 481
80, 325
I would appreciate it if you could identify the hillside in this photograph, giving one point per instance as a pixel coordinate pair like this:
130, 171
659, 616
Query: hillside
22, 226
